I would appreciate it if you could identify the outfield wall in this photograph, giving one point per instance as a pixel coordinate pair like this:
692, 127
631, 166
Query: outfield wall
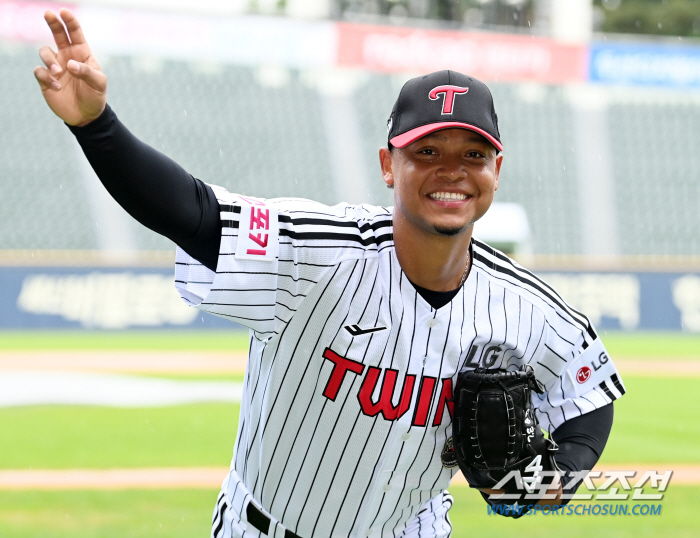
141, 298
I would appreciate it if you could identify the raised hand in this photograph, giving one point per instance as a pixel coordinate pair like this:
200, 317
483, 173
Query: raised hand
72, 83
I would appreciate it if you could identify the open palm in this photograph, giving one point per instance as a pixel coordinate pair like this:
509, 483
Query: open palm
72, 83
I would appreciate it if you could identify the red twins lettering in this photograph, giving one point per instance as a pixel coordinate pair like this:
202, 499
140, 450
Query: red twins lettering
448, 100
384, 405
445, 398
425, 398
341, 365
261, 221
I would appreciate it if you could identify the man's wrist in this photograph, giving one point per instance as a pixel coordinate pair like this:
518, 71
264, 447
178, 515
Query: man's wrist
101, 122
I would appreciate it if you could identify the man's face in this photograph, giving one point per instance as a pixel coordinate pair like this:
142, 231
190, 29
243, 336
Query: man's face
443, 182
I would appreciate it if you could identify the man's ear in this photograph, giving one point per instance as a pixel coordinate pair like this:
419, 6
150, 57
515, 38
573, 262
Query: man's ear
499, 162
386, 164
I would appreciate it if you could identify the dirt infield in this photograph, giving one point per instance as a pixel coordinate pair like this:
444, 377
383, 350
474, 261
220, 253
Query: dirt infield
106, 479
212, 477
154, 362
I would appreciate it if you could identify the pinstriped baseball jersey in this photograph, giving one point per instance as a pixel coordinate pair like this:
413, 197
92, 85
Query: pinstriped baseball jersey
347, 398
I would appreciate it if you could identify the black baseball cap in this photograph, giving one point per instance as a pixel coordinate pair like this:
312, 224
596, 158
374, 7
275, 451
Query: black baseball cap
443, 100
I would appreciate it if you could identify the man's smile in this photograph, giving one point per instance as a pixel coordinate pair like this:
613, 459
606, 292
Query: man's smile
448, 196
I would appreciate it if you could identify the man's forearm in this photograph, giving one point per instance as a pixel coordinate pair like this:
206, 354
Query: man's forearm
581, 442
153, 188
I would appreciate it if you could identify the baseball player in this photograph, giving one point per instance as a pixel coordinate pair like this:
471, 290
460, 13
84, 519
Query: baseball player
360, 317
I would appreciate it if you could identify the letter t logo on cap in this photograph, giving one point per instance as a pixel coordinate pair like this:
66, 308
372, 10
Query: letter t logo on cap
448, 100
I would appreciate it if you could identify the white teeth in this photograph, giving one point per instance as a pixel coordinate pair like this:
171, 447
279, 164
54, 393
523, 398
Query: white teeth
447, 196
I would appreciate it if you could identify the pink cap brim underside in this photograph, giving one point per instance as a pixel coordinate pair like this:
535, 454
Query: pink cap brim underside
406, 138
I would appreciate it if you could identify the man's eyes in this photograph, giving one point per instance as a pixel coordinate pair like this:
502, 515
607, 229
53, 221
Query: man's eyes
469, 155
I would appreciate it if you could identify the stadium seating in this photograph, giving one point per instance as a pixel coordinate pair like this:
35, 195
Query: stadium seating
43, 198
657, 171
264, 135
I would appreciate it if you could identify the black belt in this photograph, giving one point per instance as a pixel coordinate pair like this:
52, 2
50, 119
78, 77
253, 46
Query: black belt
262, 522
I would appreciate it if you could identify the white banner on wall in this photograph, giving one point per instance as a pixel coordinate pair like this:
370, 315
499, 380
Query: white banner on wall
106, 300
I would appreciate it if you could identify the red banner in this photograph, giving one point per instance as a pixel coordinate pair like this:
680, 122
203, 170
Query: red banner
495, 57
24, 21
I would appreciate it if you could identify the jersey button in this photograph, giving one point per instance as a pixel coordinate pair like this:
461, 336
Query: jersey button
369, 532
433, 323
387, 487
405, 436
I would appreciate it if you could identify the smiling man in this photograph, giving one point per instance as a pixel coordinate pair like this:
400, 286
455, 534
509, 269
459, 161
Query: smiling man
361, 317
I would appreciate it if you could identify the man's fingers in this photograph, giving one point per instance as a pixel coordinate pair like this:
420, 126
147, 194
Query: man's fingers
57, 29
45, 79
96, 79
75, 32
50, 60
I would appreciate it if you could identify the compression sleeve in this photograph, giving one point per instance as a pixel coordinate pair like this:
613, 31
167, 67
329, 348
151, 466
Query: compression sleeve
153, 188
581, 442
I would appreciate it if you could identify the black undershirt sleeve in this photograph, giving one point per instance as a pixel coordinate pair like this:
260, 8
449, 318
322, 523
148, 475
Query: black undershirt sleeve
581, 442
153, 188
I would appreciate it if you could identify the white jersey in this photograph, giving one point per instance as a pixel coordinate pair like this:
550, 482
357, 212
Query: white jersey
348, 391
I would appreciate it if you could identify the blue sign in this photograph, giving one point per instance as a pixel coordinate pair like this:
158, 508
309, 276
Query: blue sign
134, 298
645, 65
631, 301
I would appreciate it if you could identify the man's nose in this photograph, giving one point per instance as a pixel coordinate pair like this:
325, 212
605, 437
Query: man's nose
453, 170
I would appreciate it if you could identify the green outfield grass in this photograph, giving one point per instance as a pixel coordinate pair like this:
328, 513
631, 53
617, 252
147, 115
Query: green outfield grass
164, 340
656, 421
651, 426
622, 345
106, 514
64, 437
652, 345
187, 514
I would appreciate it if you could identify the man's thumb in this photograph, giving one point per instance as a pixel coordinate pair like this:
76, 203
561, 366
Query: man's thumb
93, 77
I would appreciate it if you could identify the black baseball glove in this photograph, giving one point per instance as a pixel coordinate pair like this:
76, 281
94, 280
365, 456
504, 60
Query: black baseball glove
495, 431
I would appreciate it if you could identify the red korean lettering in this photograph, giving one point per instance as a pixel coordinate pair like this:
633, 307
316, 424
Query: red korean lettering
259, 239
261, 221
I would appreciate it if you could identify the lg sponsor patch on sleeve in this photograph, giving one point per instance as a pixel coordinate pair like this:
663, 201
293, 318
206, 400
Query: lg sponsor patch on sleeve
591, 368
258, 232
